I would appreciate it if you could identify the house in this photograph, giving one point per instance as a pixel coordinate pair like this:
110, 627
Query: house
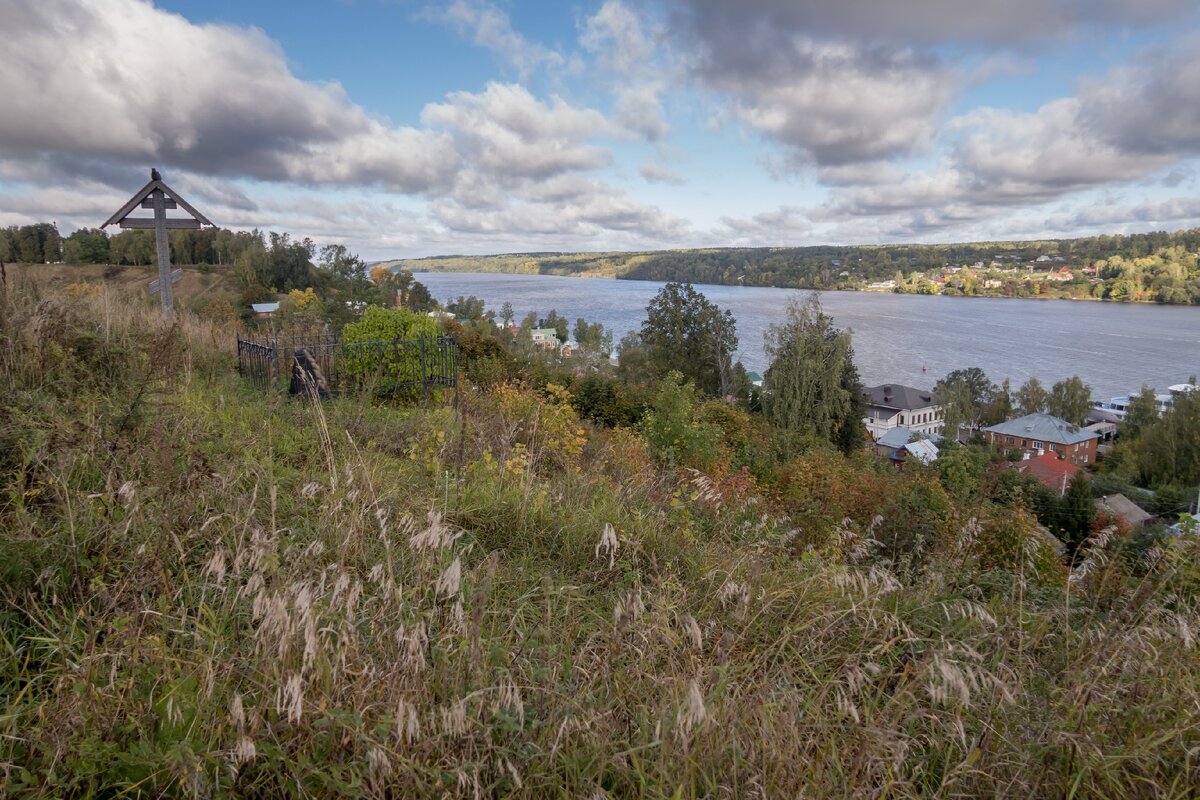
892, 405
1049, 470
1121, 507
899, 444
756, 379
265, 310
922, 450
1035, 434
545, 337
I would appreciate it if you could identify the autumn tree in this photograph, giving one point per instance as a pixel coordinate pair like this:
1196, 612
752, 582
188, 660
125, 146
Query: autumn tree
685, 332
1000, 407
634, 365
86, 246
1070, 399
1141, 413
592, 338
1031, 397
1168, 450
963, 395
812, 391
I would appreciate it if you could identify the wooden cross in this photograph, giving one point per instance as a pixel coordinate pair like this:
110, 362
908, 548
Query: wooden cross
160, 197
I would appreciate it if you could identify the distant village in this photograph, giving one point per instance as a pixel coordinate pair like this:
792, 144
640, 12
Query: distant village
1005, 275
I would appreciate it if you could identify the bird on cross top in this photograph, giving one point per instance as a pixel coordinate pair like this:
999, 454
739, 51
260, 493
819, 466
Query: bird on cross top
154, 176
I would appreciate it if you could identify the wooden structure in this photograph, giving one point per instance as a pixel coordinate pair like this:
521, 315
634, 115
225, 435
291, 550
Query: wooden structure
158, 196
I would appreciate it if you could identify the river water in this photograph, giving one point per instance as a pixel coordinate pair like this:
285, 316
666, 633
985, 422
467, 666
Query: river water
908, 339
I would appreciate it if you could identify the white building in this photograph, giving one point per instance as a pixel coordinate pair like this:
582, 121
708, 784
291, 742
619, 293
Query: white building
892, 406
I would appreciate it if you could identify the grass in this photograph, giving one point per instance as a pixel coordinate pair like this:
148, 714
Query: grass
209, 591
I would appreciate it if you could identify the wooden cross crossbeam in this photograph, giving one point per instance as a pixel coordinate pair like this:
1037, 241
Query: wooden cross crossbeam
170, 224
156, 284
160, 197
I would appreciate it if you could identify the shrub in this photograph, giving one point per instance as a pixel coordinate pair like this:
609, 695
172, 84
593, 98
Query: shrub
385, 346
671, 429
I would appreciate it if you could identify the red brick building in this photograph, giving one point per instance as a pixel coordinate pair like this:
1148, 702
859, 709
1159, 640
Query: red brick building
1036, 434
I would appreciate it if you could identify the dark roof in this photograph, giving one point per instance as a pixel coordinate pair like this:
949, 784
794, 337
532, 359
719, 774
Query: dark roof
1043, 427
893, 395
1123, 507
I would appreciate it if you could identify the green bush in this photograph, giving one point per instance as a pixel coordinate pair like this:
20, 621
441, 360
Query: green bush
385, 346
674, 435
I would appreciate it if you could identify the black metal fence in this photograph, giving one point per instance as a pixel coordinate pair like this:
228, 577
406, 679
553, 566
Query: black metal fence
402, 366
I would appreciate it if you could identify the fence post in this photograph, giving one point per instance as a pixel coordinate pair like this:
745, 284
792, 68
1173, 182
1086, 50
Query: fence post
424, 379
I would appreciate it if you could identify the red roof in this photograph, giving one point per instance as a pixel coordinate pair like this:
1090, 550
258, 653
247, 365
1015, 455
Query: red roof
1049, 470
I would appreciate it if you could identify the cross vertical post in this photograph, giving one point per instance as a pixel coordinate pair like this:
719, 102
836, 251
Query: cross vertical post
163, 246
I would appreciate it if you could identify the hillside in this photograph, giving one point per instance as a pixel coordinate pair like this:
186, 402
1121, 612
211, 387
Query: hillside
1155, 267
200, 289
211, 590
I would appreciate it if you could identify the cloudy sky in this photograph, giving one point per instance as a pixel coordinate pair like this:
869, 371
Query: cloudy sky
406, 128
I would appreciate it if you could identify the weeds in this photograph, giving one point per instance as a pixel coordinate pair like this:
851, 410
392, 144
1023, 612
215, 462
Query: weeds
225, 593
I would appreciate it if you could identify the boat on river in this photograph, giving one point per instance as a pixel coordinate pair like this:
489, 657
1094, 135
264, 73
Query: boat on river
1117, 408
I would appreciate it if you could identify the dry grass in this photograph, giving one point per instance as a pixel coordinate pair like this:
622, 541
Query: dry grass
211, 592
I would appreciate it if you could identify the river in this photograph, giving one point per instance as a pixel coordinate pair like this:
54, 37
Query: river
908, 339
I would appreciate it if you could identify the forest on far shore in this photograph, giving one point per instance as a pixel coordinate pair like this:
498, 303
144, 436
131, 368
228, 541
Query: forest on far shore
1155, 267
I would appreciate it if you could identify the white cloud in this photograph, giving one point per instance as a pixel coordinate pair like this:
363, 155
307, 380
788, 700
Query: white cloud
638, 61
784, 225
489, 27
654, 172
836, 104
509, 134
1126, 126
222, 101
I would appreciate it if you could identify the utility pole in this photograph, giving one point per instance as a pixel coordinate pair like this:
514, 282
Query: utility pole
158, 196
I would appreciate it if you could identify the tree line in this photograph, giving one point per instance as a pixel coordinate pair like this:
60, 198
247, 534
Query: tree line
969, 398
1147, 267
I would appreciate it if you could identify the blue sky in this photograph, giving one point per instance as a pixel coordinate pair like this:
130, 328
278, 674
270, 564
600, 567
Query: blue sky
406, 128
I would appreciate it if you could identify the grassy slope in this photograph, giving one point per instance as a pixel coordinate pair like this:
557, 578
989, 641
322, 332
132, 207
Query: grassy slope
193, 289
211, 591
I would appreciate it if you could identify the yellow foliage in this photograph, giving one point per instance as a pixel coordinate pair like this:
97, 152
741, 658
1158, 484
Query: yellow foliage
547, 426
81, 289
302, 300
